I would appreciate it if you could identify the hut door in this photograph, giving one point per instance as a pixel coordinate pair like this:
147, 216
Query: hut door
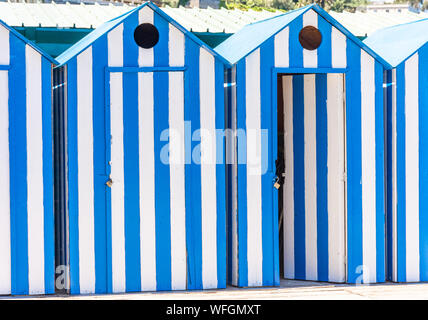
145, 150
314, 188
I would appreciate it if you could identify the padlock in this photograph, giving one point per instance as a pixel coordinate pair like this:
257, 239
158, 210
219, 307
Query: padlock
277, 185
109, 183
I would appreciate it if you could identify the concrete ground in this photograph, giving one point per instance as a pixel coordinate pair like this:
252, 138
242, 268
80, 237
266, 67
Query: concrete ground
289, 289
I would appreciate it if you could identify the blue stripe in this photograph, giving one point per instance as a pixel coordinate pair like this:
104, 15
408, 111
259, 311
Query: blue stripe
18, 167
321, 152
423, 166
131, 159
99, 61
389, 176
229, 202
324, 50
162, 178
353, 156
401, 174
242, 174
73, 199
107, 124
192, 168
295, 48
220, 175
299, 177
48, 176
380, 178
268, 223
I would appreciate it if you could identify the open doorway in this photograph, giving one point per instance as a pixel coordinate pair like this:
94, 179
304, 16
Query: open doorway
311, 164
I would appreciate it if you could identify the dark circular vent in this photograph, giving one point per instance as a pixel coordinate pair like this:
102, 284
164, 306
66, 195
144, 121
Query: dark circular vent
146, 35
310, 38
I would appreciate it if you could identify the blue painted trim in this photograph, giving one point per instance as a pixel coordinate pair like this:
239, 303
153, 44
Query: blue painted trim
322, 176
131, 160
268, 158
299, 178
401, 173
3, 67
241, 146
48, 180
107, 121
73, 196
380, 173
309, 70
389, 227
423, 167
274, 157
146, 69
18, 167
353, 160
99, 60
220, 174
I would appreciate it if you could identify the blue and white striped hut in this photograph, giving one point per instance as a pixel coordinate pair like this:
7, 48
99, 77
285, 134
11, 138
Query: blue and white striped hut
26, 172
306, 88
138, 220
405, 47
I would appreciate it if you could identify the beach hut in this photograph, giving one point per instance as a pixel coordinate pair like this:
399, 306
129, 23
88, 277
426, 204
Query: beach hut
26, 173
405, 47
145, 176
309, 94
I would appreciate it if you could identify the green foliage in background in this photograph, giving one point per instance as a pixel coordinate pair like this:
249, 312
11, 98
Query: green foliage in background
286, 5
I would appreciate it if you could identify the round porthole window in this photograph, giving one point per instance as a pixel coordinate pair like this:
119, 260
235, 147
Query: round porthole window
146, 35
310, 38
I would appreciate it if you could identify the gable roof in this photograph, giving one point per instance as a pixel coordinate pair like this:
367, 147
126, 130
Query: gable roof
87, 41
26, 41
396, 44
252, 36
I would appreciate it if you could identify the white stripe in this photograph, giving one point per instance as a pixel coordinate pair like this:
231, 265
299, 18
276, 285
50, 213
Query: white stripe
310, 57
310, 177
85, 172
335, 181
254, 202
394, 174
117, 189
35, 218
115, 47
5, 258
281, 49
115, 58
208, 169
338, 49
412, 168
288, 189
178, 208
145, 56
4, 45
147, 181
176, 47
234, 185
368, 166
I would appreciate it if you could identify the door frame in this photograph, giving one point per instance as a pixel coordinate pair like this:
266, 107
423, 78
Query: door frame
274, 153
107, 73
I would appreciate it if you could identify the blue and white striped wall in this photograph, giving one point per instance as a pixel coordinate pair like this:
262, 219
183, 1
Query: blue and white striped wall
311, 247
161, 226
408, 170
26, 173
